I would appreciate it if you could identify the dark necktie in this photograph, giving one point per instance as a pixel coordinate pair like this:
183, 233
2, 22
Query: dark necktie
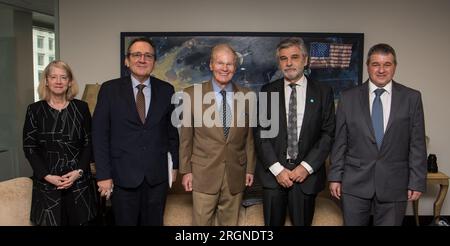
377, 117
292, 124
226, 114
140, 103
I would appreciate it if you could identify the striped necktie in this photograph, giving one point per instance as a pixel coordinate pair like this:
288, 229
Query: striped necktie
292, 124
226, 114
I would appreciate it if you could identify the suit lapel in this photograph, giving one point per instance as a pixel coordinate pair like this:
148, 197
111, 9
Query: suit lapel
154, 109
365, 108
395, 105
207, 88
233, 127
128, 95
279, 87
311, 101
235, 114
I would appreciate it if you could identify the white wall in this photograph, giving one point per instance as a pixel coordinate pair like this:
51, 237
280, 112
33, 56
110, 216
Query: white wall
418, 30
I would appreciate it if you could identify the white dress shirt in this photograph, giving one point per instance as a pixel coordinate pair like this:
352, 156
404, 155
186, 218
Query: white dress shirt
147, 91
219, 98
385, 100
302, 84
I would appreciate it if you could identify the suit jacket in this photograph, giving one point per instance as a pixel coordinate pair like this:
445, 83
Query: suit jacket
206, 153
399, 165
315, 138
125, 149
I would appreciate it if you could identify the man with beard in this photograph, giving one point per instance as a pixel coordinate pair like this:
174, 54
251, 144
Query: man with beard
291, 166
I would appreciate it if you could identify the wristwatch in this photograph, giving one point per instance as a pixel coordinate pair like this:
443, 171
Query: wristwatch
80, 172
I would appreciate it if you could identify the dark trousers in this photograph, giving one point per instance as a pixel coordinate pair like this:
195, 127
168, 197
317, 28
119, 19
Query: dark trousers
276, 202
143, 205
69, 210
357, 211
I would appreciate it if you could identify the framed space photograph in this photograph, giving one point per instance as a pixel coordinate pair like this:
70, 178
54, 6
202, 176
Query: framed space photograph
183, 58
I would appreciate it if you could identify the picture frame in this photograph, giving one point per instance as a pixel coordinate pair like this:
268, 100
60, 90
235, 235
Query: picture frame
183, 58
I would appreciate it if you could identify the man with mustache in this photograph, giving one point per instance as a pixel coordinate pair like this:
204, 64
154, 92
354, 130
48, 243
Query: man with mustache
291, 166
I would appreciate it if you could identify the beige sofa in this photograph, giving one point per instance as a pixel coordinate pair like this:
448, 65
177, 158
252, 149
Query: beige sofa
178, 210
15, 202
15, 206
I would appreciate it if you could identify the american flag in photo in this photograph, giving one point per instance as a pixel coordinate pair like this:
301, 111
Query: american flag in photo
326, 55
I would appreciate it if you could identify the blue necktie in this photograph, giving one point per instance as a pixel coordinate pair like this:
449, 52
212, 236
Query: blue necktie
377, 117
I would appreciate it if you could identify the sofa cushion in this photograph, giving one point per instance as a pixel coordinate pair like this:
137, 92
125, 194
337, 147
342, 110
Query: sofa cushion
15, 201
327, 214
178, 212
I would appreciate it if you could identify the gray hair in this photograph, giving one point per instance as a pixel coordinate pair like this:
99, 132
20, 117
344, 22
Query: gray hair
289, 42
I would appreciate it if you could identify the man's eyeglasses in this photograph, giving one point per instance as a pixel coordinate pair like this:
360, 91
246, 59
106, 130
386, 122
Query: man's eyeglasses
138, 55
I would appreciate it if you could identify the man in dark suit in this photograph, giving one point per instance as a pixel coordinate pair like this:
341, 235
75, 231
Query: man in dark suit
378, 161
291, 166
132, 134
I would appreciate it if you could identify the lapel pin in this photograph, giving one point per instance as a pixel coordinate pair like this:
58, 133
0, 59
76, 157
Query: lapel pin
311, 100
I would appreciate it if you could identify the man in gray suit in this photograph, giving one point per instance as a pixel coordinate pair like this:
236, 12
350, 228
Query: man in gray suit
378, 160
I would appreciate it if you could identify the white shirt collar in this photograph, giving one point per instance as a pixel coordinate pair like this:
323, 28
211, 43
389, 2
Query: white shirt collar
217, 89
387, 87
300, 82
136, 82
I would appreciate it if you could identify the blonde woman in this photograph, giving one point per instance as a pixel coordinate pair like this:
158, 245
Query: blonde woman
57, 144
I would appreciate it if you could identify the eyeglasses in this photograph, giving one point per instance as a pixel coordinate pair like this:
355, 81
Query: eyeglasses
138, 55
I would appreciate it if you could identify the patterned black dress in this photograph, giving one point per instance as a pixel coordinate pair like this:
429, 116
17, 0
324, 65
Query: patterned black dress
57, 142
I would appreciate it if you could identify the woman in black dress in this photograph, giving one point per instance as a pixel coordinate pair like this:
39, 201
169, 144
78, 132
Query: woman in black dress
57, 143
